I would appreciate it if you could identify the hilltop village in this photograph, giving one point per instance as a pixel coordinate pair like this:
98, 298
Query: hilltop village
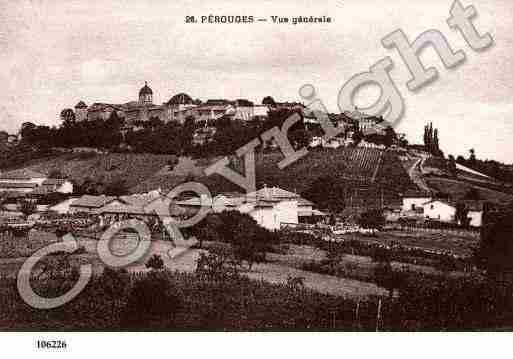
376, 167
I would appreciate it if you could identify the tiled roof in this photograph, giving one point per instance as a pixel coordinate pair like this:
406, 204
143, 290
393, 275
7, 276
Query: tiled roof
120, 209
274, 194
54, 182
140, 199
93, 201
23, 173
304, 202
469, 204
11, 194
416, 193
17, 185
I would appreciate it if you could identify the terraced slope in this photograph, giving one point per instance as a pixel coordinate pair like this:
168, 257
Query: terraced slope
367, 172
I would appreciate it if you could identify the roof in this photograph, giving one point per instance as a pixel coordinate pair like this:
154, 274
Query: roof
100, 106
195, 201
273, 194
40, 190
81, 104
213, 102
17, 185
469, 204
304, 202
145, 90
93, 201
140, 199
54, 181
314, 212
243, 102
211, 107
120, 209
11, 194
416, 193
181, 99
23, 173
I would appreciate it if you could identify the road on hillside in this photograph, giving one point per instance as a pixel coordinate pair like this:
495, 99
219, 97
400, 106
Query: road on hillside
415, 174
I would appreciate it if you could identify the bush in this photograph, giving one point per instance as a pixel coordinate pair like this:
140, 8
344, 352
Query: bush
218, 265
155, 262
152, 303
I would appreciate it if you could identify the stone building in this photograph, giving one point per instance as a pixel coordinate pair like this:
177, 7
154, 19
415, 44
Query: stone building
133, 111
178, 108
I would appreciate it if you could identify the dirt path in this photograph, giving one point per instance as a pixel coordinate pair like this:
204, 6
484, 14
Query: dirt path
415, 174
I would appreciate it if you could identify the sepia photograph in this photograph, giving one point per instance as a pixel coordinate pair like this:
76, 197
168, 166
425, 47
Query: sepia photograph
238, 166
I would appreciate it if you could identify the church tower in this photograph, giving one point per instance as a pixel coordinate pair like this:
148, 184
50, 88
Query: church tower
145, 95
80, 111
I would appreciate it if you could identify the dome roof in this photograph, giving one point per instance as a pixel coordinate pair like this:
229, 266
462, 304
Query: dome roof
181, 99
145, 90
81, 104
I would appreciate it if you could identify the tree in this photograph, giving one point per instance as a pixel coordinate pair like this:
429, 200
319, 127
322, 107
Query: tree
436, 148
249, 240
426, 138
386, 277
495, 252
155, 262
268, 100
55, 173
390, 137
334, 200
472, 157
461, 215
372, 219
357, 137
472, 194
27, 128
114, 284
155, 122
152, 301
451, 166
67, 117
116, 188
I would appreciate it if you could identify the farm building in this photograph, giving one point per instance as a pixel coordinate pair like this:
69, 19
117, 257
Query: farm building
23, 180
89, 204
270, 207
445, 211
414, 200
63, 207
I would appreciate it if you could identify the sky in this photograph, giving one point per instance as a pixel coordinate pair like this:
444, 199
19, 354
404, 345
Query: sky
58, 52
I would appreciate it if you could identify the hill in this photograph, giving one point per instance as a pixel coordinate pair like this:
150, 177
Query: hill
367, 173
436, 175
371, 177
132, 168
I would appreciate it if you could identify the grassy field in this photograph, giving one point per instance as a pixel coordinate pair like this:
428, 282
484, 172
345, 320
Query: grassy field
143, 172
457, 190
461, 245
16, 251
133, 168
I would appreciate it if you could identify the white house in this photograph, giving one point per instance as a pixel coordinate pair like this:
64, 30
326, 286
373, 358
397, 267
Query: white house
58, 185
445, 211
64, 206
440, 210
414, 200
270, 207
